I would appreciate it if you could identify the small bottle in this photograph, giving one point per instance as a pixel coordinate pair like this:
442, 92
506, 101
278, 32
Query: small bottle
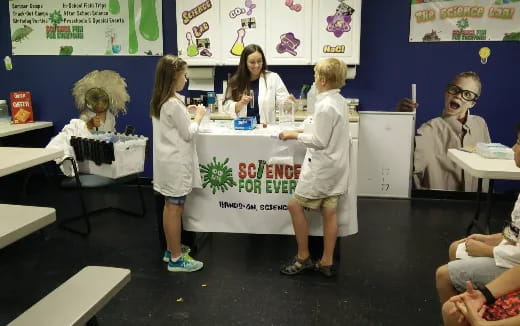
211, 100
8, 64
4, 112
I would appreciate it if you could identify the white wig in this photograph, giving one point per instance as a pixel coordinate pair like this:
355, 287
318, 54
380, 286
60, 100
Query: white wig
110, 81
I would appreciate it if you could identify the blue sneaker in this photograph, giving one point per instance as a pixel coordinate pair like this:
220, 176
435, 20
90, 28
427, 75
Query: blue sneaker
167, 254
185, 264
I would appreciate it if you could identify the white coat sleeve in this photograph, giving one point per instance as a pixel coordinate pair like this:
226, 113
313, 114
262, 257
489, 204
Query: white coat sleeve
323, 122
507, 255
229, 108
177, 117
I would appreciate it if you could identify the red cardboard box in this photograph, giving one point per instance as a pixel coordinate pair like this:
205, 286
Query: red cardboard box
21, 107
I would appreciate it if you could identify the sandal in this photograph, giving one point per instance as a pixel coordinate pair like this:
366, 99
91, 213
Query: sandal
296, 266
326, 270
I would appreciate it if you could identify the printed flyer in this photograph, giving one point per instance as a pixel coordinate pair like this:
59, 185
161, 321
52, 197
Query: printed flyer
464, 20
86, 27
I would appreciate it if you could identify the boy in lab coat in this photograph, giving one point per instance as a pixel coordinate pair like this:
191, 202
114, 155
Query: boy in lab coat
325, 168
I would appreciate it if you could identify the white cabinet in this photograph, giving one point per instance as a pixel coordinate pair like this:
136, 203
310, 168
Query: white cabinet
198, 32
288, 32
291, 32
242, 23
336, 28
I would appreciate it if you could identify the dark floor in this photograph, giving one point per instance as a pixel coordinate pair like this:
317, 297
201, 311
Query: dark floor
386, 274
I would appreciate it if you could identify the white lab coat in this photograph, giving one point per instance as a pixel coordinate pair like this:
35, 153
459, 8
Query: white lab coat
109, 125
326, 165
271, 93
175, 162
77, 128
508, 255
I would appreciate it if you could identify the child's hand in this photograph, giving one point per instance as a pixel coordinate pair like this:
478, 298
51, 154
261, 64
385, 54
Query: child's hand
406, 105
477, 248
288, 134
95, 122
199, 113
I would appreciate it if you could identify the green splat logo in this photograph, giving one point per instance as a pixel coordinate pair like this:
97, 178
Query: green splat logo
217, 175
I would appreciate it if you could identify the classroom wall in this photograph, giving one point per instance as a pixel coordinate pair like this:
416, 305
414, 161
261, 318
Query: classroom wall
389, 64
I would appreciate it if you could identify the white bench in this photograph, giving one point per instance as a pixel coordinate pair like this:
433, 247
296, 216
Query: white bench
18, 221
77, 300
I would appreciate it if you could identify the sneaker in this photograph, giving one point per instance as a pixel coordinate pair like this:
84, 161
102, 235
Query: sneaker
185, 265
167, 254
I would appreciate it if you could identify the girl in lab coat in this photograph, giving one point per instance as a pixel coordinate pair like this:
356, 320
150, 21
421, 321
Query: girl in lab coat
325, 169
175, 162
254, 91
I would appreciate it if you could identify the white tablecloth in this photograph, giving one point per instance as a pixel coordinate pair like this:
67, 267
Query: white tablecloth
238, 198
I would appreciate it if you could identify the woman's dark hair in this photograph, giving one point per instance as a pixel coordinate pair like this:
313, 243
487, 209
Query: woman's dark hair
240, 80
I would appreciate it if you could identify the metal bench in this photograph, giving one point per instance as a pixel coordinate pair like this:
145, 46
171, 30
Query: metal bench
18, 221
77, 301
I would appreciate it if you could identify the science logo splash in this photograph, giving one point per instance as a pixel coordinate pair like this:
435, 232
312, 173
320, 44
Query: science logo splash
217, 175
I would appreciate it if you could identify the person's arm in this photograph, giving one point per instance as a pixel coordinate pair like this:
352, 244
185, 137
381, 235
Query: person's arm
236, 109
507, 255
323, 123
175, 113
490, 239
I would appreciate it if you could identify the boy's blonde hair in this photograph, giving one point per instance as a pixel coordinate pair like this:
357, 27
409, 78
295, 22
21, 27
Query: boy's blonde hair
469, 74
333, 70
166, 72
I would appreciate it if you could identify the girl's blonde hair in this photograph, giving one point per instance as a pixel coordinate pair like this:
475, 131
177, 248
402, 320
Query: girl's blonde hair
166, 72
333, 70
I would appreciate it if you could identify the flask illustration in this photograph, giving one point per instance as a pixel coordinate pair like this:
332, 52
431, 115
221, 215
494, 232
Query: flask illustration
238, 47
192, 48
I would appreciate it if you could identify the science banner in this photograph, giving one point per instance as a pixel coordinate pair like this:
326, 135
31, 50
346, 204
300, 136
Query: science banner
464, 20
86, 27
246, 190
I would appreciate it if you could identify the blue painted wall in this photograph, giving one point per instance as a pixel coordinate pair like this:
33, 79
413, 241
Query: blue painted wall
389, 64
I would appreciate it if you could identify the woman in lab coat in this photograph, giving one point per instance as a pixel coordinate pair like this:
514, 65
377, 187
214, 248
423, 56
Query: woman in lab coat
253, 90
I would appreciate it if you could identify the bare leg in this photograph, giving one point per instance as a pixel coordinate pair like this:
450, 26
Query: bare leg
330, 234
301, 228
445, 288
172, 227
453, 248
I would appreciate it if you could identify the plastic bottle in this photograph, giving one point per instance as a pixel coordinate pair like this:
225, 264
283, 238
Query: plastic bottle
311, 99
211, 102
4, 112
8, 64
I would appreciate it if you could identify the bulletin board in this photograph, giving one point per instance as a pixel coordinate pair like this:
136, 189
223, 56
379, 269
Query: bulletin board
86, 27
385, 153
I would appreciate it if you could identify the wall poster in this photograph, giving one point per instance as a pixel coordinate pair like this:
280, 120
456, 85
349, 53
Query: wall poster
86, 27
464, 20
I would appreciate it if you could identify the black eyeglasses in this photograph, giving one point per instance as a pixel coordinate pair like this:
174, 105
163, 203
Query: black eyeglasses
467, 95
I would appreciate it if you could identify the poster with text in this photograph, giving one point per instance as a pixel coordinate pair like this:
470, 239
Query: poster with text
464, 20
86, 27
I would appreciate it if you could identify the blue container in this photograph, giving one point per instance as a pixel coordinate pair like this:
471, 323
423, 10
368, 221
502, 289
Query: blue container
247, 123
